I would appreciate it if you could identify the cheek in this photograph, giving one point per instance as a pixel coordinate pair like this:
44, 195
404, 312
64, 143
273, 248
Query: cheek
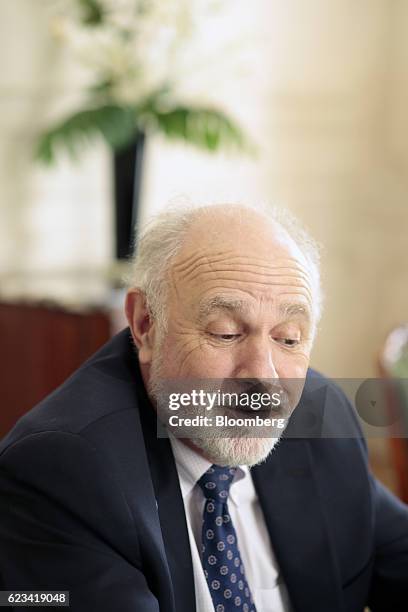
209, 363
190, 357
215, 364
292, 365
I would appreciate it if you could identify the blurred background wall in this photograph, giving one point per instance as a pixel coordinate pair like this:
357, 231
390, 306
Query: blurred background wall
322, 89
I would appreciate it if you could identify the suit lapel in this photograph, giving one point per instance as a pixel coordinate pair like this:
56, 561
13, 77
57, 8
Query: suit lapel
298, 528
165, 531
171, 511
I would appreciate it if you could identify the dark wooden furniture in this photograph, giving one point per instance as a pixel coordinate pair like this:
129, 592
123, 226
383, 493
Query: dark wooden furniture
41, 345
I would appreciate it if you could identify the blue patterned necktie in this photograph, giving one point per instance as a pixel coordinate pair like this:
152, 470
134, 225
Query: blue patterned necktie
223, 567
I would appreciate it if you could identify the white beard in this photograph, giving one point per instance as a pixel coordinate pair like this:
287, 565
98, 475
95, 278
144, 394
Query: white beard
220, 450
235, 451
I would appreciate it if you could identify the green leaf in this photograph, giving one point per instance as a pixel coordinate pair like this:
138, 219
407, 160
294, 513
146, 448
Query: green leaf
116, 125
205, 128
92, 12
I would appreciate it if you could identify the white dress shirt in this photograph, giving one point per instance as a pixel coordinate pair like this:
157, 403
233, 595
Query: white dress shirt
262, 573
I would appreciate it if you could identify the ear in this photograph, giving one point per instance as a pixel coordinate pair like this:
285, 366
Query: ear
141, 324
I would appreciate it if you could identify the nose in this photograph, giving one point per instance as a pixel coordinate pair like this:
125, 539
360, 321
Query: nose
257, 360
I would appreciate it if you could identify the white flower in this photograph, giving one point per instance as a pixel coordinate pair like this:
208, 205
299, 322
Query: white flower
139, 47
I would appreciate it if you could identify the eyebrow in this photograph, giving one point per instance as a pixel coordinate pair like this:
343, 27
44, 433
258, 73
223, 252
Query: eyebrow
294, 309
220, 302
234, 305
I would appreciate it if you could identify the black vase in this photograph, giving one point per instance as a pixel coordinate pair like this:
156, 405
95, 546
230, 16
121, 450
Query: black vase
128, 163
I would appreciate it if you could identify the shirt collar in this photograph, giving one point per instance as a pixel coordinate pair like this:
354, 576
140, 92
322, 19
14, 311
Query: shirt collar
191, 466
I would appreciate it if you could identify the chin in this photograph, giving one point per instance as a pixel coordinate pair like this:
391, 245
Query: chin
232, 452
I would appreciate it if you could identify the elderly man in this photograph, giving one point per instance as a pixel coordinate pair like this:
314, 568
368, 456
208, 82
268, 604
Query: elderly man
95, 502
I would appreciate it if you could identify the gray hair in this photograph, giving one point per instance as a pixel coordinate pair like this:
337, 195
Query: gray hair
163, 237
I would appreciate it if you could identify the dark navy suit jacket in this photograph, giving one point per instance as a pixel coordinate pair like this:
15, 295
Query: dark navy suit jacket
90, 502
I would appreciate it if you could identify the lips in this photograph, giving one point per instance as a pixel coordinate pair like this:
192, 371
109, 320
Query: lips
248, 410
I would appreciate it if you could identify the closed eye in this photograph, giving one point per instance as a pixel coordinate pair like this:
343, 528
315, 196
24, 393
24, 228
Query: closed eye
289, 342
226, 337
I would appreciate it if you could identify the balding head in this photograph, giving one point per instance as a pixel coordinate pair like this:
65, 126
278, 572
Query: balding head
235, 225
244, 227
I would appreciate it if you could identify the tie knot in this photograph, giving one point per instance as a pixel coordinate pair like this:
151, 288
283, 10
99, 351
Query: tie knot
216, 481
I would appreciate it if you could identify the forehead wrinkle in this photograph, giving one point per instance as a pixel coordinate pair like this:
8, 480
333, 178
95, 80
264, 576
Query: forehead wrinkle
300, 275
183, 264
231, 256
192, 265
184, 268
243, 284
204, 265
205, 268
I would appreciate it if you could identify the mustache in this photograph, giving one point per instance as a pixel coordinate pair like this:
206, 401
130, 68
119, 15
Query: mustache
253, 389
